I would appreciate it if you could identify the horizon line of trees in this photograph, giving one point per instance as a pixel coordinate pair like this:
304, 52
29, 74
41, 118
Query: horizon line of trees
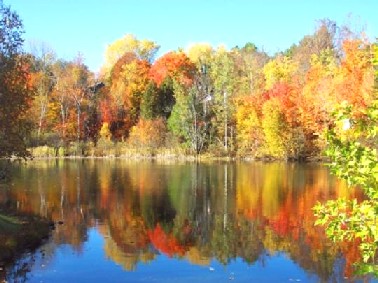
204, 100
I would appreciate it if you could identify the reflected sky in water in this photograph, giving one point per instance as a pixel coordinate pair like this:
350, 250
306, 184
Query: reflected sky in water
179, 222
94, 266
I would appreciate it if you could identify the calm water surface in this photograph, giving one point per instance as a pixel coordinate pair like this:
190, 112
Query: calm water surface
179, 222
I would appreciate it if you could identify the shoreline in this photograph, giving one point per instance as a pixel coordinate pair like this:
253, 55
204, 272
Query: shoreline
184, 158
20, 233
122, 151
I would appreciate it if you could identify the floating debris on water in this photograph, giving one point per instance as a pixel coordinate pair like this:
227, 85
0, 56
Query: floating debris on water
231, 277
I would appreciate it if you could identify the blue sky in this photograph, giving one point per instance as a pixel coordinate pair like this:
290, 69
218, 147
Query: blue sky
88, 26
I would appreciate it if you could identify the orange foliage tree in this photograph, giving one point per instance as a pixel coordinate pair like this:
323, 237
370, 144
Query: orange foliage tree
357, 76
70, 98
148, 133
165, 242
128, 81
16, 91
175, 65
159, 99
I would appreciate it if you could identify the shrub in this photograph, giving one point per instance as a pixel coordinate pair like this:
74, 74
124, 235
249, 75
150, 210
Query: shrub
148, 134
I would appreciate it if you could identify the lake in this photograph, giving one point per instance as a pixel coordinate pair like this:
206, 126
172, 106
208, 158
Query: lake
124, 221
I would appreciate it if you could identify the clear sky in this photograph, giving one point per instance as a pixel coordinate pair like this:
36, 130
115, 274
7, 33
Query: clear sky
88, 26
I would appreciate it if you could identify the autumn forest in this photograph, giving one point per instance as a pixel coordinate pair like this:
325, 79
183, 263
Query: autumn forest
314, 101
206, 100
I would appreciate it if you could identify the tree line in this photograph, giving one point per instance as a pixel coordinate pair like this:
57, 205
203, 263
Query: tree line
238, 102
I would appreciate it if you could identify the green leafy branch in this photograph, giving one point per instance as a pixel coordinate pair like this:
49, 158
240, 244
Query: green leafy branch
352, 149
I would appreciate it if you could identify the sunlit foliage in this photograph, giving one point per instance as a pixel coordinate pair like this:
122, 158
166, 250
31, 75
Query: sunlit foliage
239, 102
352, 148
16, 89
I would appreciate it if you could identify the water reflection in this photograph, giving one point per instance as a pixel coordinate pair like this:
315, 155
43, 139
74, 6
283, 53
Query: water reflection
196, 212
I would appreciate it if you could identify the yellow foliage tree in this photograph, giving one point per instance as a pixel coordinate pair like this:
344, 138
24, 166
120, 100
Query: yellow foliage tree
200, 54
128, 85
274, 128
280, 69
105, 132
248, 126
149, 134
143, 49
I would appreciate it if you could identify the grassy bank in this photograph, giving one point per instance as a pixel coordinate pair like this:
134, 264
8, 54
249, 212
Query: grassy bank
119, 150
124, 150
20, 233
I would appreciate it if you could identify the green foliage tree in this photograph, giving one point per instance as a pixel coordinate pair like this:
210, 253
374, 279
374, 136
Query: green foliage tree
190, 117
148, 103
222, 72
200, 112
165, 98
157, 101
179, 121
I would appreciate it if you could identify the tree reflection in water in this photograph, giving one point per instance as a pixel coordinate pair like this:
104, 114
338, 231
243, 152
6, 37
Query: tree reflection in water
195, 212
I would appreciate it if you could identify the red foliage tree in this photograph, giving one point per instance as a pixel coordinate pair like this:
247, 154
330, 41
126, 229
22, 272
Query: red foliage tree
166, 243
173, 64
287, 96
